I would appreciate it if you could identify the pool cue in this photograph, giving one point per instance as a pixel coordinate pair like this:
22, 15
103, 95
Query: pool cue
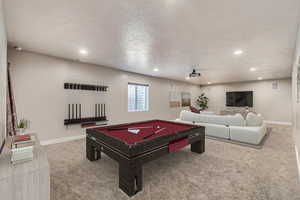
72, 111
98, 110
69, 114
95, 110
146, 137
101, 110
80, 111
145, 127
104, 111
76, 111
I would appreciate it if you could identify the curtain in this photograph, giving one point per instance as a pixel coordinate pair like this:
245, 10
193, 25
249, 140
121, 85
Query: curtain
11, 107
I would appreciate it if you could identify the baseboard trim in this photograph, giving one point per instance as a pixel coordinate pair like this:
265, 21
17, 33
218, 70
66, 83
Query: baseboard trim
62, 140
278, 123
298, 163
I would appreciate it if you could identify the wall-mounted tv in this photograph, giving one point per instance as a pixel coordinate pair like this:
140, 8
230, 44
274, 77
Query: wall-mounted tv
239, 99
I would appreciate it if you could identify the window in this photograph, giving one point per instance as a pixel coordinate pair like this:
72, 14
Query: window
138, 97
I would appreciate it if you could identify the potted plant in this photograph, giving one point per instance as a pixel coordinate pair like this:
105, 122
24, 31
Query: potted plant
22, 125
202, 101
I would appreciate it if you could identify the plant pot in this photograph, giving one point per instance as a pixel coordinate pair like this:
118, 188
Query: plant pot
20, 131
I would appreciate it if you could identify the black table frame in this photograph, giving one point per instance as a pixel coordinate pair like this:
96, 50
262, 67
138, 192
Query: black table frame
131, 158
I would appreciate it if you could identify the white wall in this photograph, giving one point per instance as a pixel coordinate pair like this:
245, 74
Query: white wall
273, 104
3, 77
296, 105
38, 82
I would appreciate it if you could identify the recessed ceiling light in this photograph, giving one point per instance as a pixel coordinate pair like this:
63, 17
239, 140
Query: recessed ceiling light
260, 78
187, 78
18, 48
208, 83
252, 69
156, 69
238, 52
83, 52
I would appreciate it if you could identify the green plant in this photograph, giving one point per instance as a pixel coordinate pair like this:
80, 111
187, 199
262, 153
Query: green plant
202, 101
23, 123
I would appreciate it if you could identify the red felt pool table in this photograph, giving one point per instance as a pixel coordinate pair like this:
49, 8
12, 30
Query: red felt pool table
154, 139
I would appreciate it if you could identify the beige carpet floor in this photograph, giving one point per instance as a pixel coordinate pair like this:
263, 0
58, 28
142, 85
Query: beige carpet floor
224, 172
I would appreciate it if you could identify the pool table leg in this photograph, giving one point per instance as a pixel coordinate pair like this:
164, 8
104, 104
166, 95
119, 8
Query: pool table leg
130, 177
92, 152
198, 146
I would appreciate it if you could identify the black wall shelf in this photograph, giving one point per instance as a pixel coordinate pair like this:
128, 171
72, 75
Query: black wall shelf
84, 120
78, 86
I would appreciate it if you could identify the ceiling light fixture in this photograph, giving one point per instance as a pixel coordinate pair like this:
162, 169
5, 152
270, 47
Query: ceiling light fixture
187, 78
83, 52
208, 83
156, 69
238, 52
194, 74
260, 78
252, 69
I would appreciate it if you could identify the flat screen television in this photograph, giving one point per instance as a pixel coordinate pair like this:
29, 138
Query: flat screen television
239, 99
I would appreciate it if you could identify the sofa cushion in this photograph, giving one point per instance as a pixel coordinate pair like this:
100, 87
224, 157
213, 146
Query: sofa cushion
228, 120
235, 120
181, 121
188, 116
251, 135
253, 120
215, 130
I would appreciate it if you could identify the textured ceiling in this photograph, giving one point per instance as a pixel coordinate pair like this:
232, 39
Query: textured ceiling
171, 35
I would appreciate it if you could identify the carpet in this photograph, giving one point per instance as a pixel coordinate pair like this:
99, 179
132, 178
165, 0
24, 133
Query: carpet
224, 172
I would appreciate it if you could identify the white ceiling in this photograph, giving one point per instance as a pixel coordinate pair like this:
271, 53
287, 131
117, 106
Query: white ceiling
171, 35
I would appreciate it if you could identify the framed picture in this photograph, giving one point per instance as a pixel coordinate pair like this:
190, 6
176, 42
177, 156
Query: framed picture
185, 99
174, 99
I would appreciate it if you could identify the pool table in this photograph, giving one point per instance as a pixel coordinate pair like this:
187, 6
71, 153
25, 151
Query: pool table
134, 144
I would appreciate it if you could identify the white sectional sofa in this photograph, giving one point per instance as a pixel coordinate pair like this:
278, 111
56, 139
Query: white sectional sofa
231, 127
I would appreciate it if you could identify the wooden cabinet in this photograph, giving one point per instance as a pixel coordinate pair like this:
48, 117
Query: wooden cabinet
26, 181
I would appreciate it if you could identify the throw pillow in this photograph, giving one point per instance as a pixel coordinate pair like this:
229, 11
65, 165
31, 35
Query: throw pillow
253, 120
194, 110
239, 119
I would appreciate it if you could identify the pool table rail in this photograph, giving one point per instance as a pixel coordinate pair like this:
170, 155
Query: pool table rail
145, 145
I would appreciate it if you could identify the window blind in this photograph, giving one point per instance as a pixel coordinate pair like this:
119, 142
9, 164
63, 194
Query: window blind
138, 97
